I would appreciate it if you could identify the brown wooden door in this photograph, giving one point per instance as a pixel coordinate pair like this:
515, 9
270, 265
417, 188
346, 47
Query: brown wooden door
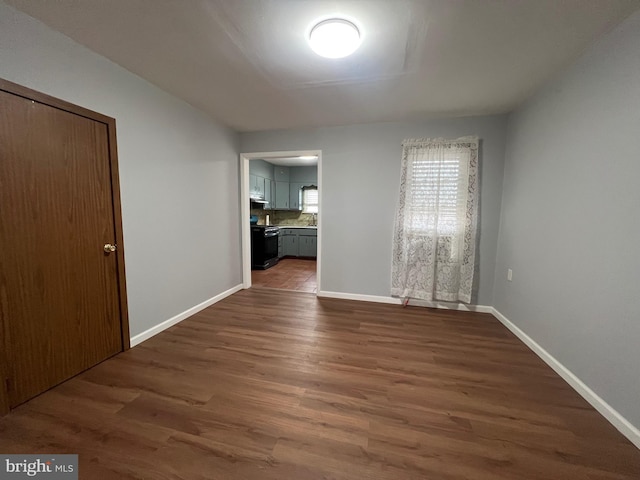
59, 292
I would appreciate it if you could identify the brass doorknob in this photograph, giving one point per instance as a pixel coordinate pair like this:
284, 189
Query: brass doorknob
108, 248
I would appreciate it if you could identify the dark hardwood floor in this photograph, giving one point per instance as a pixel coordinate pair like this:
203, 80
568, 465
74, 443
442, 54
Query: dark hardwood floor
289, 274
271, 384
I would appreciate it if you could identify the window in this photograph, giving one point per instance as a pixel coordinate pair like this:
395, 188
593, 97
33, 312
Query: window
434, 194
310, 199
436, 221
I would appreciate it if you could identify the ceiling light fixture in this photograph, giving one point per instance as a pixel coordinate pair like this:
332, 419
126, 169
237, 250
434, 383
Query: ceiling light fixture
334, 38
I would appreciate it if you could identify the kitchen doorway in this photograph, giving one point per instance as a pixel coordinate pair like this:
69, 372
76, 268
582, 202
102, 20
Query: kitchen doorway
281, 197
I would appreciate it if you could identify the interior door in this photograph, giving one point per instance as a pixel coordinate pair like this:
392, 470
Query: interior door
60, 305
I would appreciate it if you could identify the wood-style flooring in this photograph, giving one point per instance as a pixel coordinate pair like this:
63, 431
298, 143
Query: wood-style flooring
297, 274
270, 384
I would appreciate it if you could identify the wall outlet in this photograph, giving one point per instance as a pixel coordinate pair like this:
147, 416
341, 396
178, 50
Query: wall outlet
509, 274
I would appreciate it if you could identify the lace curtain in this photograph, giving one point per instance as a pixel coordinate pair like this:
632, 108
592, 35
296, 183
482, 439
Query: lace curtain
436, 221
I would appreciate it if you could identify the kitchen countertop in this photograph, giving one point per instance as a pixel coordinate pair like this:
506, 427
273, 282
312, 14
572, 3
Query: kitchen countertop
297, 226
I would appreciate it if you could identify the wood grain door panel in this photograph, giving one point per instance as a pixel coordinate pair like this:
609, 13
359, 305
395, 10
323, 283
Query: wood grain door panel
59, 295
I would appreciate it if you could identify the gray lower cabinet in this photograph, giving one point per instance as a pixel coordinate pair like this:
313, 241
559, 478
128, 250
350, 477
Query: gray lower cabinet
298, 242
280, 247
290, 245
308, 246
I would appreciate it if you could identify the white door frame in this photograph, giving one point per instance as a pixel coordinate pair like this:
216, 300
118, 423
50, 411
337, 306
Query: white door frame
245, 207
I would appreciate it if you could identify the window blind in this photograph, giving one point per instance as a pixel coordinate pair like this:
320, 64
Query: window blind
309, 200
434, 194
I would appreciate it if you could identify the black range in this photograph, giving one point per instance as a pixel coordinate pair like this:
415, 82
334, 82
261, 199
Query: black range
264, 246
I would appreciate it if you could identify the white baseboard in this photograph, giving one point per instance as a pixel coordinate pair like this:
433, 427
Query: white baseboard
141, 337
359, 297
606, 410
413, 302
451, 306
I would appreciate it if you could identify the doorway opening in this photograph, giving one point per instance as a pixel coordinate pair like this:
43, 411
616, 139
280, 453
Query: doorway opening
281, 198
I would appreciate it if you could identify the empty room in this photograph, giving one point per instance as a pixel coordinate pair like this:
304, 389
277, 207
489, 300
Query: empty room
284, 239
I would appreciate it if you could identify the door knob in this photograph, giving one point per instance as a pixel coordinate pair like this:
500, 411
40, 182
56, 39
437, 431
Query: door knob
108, 248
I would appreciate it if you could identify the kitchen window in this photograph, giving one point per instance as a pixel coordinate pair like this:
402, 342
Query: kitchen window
310, 199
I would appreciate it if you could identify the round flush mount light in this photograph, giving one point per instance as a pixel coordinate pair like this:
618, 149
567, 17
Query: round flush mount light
334, 38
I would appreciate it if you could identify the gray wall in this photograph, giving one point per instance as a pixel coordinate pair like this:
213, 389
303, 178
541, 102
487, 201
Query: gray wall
178, 170
570, 227
360, 185
303, 175
261, 168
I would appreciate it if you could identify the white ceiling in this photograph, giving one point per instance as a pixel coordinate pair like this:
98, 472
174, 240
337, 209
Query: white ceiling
247, 63
292, 161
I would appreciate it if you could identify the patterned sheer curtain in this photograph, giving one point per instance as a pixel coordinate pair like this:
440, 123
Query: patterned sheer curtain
436, 221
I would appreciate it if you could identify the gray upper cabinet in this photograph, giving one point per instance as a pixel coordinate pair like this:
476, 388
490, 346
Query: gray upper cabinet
256, 186
253, 180
261, 180
272, 203
295, 195
281, 175
282, 196
267, 193
260, 186
281, 187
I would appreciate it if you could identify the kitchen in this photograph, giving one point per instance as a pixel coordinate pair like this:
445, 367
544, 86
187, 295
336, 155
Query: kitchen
284, 207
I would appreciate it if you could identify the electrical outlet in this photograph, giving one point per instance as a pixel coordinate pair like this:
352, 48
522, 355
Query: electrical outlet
509, 274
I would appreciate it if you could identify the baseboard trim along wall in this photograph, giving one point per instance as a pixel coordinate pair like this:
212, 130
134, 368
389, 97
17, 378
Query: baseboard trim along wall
451, 306
141, 337
359, 297
413, 302
606, 410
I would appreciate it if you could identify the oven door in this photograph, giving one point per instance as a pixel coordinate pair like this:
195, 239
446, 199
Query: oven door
271, 246
264, 248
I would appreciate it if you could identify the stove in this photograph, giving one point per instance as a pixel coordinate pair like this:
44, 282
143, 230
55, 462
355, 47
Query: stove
264, 246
